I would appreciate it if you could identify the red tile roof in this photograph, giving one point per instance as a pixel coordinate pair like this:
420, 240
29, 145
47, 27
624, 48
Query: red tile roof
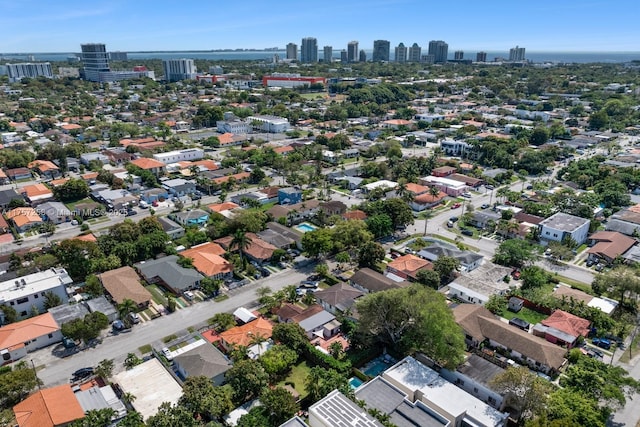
567, 323
14, 335
207, 259
409, 264
243, 335
355, 214
257, 249
56, 406
147, 163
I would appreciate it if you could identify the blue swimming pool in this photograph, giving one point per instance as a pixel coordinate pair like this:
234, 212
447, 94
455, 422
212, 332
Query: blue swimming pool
378, 366
355, 382
305, 227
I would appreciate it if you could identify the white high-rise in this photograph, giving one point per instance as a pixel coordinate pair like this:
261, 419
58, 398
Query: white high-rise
32, 70
516, 54
179, 69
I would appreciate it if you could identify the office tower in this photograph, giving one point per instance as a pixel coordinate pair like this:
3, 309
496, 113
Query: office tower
95, 60
381, 49
343, 56
352, 51
415, 53
292, 51
516, 54
362, 57
179, 69
118, 56
401, 53
458, 55
439, 50
309, 50
481, 57
17, 72
327, 54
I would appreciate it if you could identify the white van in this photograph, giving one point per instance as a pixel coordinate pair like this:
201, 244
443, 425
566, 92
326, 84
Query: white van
143, 204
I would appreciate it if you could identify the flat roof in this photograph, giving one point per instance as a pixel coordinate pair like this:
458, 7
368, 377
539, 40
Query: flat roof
33, 283
452, 183
337, 410
479, 369
381, 183
151, 384
564, 222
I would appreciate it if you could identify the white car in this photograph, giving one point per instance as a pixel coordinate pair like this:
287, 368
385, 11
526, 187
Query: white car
134, 318
189, 295
466, 195
167, 353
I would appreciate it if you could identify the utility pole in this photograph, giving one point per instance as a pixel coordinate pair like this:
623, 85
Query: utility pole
35, 373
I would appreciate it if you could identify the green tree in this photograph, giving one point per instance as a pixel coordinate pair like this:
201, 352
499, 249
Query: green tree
204, 400
370, 254
446, 267
429, 278
16, 384
222, 321
72, 190
51, 300
495, 304
105, 369
317, 243
132, 360
240, 241
279, 403
125, 308
514, 253
291, 335
172, 415
247, 378
525, 391
411, 319
321, 381
599, 120
568, 404
257, 417
95, 417
539, 136
534, 277
278, 360
380, 225
9, 313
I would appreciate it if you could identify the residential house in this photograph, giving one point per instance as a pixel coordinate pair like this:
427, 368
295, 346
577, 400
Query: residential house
244, 315
426, 200
478, 285
562, 328
452, 147
258, 250
407, 266
291, 313
124, 283
102, 305
154, 166
4, 179
383, 184
93, 397
54, 212
23, 293
443, 171
354, 214
119, 156
480, 325
468, 180
561, 226
36, 193
86, 158
449, 186
179, 187
193, 217
154, 195
339, 298
607, 246
19, 338
397, 124
203, 360
4, 229
24, 219
566, 293
368, 281
49, 407
289, 196
7, 195
247, 334
322, 324
335, 409
333, 207
469, 261
349, 182
45, 168
280, 236
331, 157
18, 174
207, 259
482, 219
261, 197
167, 273
296, 213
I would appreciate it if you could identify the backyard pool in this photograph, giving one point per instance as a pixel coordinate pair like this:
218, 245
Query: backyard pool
378, 366
305, 227
355, 382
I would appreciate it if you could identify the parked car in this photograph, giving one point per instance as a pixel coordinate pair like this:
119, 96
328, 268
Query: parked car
590, 262
466, 232
131, 212
135, 318
308, 284
143, 204
602, 343
453, 219
265, 272
485, 206
599, 267
456, 205
489, 186
154, 203
167, 353
450, 224
520, 323
466, 195
118, 325
82, 373
189, 295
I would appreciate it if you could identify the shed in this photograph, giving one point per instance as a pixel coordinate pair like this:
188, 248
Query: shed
515, 304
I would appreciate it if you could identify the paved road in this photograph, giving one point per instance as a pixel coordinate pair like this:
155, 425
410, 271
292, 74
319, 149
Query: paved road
58, 371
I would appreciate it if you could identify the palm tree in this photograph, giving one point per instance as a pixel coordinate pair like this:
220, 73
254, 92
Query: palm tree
240, 241
258, 340
125, 308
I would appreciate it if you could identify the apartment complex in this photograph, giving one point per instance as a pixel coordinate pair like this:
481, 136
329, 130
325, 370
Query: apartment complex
24, 293
179, 69
19, 71
381, 50
309, 50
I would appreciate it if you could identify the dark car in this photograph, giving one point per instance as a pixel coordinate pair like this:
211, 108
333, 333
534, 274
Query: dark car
131, 212
118, 325
195, 196
466, 232
453, 219
265, 272
602, 343
308, 284
520, 323
485, 206
590, 262
82, 373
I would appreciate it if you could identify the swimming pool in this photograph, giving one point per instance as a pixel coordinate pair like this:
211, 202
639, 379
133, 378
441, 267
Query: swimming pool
305, 227
378, 366
355, 382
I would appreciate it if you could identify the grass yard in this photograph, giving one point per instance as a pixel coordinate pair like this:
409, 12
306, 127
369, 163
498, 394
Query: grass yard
527, 314
297, 376
145, 349
72, 205
157, 295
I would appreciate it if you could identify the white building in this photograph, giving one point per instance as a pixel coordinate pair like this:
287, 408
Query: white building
451, 147
561, 226
22, 293
189, 155
449, 186
236, 126
336, 409
32, 70
427, 117
179, 69
271, 124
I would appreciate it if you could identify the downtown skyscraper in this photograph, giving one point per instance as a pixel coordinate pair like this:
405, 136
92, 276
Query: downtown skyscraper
309, 50
381, 49
352, 51
440, 50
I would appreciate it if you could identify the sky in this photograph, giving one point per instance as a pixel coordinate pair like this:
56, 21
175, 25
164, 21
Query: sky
31, 26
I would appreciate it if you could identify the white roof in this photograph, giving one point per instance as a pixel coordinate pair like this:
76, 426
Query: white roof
244, 315
451, 183
33, 283
606, 305
234, 416
151, 384
468, 292
382, 183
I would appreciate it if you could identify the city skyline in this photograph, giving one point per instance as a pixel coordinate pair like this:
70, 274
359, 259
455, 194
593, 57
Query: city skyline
544, 26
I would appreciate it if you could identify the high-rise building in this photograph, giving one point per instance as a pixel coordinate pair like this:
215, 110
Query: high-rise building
415, 53
381, 49
439, 50
428, 59
516, 54
17, 72
309, 50
95, 60
352, 51
327, 54
118, 56
481, 57
343, 56
292, 51
401, 53
179, 69
362, 56
458, 55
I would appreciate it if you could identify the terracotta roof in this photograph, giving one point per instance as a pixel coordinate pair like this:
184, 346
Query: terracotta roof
257, 249
243, 335
610, 244
416, 188
207, 164
480, 323
56, 406
409, 264
226, 138
42, 165
124, 283
147, 163
224, 206
207, 259
14, 335
89, 237
568, 292
355, 214
71, 126
284, 149
428, 198
525, 217
58, 182
35, 190
567, 323
398, 122
2, 174
22, 216
89, 176
238, 177
444, 169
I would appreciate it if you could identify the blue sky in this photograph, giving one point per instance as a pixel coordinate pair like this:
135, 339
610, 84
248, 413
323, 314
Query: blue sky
495, 25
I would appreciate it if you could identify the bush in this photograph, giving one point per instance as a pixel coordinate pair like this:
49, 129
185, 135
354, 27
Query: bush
316, 357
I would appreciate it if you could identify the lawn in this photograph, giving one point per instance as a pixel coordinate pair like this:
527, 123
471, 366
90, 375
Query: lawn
527, 314
145, 349
71, 205
297, 376
157, 295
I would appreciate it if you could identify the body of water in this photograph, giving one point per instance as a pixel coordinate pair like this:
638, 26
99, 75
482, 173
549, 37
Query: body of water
538, 57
